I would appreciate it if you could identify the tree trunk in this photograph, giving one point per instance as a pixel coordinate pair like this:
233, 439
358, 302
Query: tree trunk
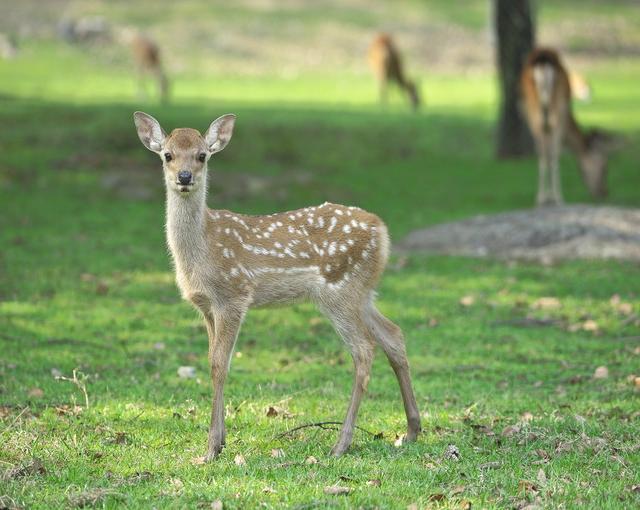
515, 37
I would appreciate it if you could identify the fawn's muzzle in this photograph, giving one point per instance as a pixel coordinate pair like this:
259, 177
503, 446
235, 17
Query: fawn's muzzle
184, 177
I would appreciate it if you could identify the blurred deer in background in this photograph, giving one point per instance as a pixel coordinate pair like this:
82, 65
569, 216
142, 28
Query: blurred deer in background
8, 46
386, 64
146, 57
546, 96
227, 262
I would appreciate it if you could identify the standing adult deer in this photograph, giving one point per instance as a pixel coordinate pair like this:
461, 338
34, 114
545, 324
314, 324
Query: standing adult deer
546, 95
386, 64
146, 58
227, 262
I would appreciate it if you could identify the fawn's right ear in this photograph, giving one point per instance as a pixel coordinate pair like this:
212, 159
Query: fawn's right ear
150, 132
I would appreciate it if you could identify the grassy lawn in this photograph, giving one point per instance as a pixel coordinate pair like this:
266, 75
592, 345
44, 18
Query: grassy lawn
86, 284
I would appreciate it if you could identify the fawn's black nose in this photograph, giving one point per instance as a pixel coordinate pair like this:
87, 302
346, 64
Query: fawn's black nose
184, 177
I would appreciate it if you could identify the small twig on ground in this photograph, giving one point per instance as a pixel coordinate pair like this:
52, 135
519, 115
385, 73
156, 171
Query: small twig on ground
529, 322
80, 383
322, 425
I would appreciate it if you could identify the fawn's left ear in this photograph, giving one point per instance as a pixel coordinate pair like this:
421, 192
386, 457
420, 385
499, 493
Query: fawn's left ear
150, 132
219, 133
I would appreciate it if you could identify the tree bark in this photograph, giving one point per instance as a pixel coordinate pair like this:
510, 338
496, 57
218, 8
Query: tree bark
515, 39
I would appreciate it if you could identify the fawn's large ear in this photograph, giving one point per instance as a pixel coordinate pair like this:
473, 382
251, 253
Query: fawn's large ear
219, 133
150, 133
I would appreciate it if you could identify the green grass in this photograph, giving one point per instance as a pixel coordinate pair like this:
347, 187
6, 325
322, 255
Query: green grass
85, 283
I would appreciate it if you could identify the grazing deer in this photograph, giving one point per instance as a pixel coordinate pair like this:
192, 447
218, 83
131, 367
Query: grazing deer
546, 95
227, 262
146, 56
386, 64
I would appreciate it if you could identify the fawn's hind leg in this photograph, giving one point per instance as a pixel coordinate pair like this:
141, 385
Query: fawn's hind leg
351, 326
390, 338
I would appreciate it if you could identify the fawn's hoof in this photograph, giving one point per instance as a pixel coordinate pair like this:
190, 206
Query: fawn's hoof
339, 449
411, 436
413, 430
212, 454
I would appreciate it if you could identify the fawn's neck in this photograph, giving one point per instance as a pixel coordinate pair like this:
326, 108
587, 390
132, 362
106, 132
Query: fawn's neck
186, 224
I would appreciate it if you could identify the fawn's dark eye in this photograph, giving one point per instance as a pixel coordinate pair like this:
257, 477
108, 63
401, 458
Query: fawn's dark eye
201, 157
167, 157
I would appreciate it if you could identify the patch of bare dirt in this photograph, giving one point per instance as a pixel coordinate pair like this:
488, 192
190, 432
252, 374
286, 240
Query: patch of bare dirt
544, 235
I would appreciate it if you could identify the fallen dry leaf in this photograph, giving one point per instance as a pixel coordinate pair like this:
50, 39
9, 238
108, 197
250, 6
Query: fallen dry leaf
239, 460
412, 506
563, 446
374, 483
36, 393
590, 325
217, 505
311, 460
198, 461
526, 417
336, 490
274, 411
438, 496
175, 487
620, 306
277, 453
467, 300
625, 308
66, 409
546, 303
542, 477
510, 430
542, 454
458, 489
186, 372
464, 504
120, 438
601, 373
399, 440
269, 490
526, 486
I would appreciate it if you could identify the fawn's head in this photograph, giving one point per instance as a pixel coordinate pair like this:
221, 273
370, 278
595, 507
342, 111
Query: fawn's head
184, 152
414, 95
593, 161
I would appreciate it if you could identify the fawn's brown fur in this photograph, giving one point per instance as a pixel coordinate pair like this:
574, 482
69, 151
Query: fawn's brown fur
227, 262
